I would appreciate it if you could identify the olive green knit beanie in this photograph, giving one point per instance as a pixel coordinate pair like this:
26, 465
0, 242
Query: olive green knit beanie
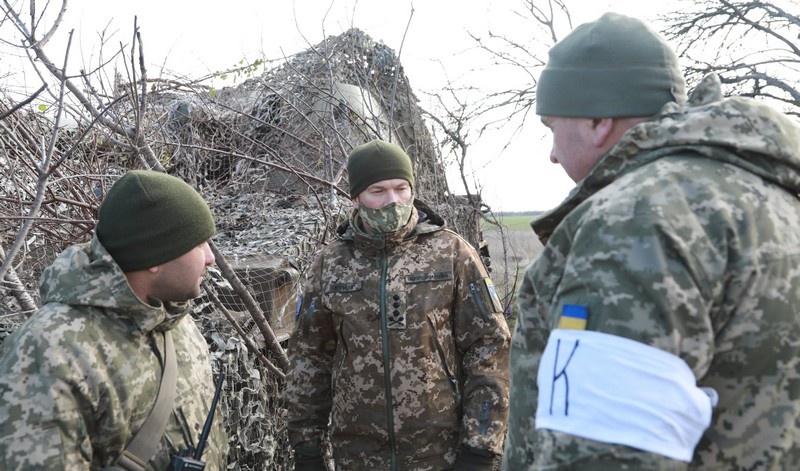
375, 161
149, 218
613, 67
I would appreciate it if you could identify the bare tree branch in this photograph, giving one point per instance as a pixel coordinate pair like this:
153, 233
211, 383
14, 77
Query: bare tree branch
751, 44
21, 104
44, 172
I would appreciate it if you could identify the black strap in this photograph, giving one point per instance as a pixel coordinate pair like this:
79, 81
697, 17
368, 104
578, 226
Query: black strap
144, 444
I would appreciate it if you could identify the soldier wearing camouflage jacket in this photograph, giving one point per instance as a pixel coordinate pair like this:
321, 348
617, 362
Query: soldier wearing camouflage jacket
659, 327
79, 378
402, 344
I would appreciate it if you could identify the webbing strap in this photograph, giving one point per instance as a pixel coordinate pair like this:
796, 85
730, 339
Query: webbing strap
144, 444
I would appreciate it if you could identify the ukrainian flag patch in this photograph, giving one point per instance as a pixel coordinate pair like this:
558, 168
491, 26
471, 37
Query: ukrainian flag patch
496, 304
573, 317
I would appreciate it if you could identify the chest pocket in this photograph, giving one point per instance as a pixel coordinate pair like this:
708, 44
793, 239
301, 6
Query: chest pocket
344, 297
429, 293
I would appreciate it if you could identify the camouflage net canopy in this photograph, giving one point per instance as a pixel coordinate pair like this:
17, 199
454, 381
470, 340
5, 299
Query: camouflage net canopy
269, 156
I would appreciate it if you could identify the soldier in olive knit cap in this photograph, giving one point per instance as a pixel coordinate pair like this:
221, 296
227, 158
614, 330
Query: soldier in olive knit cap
398, 328
617, 68
658, 326
79, 379
381, 186
375, 161
614, 67
149, 218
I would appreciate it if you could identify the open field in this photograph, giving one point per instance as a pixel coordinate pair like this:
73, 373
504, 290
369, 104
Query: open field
518, 222
509, 260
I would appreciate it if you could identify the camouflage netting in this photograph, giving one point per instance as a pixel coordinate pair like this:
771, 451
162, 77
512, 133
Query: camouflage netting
269, 156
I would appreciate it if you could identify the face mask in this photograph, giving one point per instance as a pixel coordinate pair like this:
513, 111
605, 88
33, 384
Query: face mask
389, 218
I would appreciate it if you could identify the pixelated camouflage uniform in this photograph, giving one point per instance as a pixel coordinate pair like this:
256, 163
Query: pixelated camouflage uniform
393, 345
686, 237
79, 378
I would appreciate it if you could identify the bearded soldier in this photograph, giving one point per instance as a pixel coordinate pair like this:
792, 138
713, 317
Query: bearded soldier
79, 380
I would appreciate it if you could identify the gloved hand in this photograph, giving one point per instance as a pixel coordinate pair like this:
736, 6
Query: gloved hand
309, 463
471, 459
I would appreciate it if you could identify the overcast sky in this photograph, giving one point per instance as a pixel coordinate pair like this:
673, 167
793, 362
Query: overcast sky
194, 38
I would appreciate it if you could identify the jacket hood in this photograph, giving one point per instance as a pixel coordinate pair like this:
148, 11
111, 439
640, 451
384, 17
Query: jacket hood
423, 221
86, 275
736, 130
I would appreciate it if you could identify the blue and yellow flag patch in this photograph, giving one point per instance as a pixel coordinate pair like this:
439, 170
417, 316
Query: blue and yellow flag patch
573, 317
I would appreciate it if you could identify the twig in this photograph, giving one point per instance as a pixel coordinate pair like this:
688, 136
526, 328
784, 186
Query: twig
242, 334
22, 103
41, 182
17, 289
252, 307
397, 71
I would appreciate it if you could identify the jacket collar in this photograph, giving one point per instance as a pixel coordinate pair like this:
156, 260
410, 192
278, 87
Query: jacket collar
738, 131
86, 275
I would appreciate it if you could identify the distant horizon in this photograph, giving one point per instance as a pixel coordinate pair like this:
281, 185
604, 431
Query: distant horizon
530, 212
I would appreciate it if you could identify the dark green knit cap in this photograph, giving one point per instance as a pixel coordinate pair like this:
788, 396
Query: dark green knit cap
613, 67
149, 218
375, 161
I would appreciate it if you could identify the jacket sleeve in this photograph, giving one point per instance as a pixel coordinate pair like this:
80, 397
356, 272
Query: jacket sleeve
482, 339
311, 350
638, 280
42, 425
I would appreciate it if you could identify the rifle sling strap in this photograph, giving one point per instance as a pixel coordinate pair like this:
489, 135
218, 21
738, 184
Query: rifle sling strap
144, 444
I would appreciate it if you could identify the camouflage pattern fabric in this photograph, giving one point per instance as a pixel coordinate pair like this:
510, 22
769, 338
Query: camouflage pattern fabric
685, 237
402, 343
78, 379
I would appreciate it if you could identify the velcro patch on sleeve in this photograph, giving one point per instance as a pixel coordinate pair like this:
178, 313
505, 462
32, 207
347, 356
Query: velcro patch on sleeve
485, 297
573, 317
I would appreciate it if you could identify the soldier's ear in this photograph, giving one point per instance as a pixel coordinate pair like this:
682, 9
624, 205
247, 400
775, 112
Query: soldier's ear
355, 202
602, 130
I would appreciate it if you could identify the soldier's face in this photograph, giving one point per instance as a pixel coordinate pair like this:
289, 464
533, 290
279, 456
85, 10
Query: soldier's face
573, 146
384, 192
179, 279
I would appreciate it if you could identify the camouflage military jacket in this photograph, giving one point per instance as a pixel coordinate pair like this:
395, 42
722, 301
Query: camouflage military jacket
684, 237
78, 379
401, 341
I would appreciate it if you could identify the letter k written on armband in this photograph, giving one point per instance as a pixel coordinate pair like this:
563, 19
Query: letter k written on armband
573, 317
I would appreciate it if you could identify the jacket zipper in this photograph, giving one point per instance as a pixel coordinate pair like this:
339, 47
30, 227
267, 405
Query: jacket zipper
387, 369
476, 296
450, 376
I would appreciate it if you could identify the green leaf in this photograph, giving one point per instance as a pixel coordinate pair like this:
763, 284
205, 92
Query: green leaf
42, 108
213, 92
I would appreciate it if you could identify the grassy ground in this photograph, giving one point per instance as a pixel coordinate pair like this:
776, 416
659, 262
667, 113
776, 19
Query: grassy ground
518, 222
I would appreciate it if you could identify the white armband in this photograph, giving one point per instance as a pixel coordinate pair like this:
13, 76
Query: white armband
615, 390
